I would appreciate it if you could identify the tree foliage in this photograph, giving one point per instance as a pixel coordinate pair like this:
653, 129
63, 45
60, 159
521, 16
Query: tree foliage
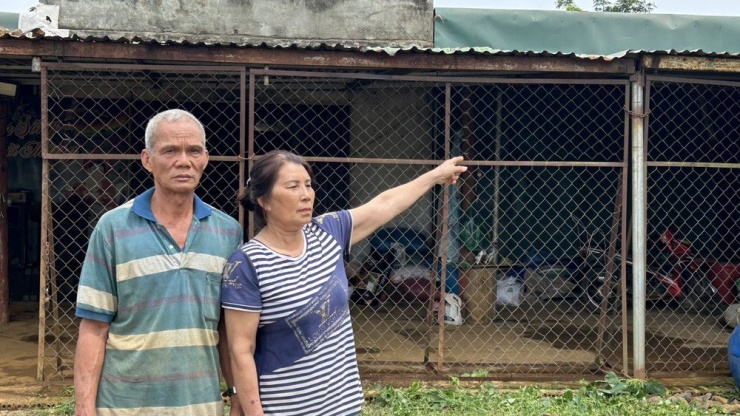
619, 6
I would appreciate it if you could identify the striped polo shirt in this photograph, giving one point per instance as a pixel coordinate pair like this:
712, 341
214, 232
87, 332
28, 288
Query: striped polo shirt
163, 306
305, 350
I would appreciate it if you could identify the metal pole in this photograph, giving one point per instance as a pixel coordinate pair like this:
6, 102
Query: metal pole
625, 235
250, 149
639, 214
497, 180
4, 252
242, 138
45, 225
445, 231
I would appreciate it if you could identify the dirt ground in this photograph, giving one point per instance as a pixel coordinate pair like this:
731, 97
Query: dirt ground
18, 362
402, 343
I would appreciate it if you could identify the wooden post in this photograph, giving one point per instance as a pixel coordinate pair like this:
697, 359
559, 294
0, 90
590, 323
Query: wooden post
4, 277
441, 241
600, 358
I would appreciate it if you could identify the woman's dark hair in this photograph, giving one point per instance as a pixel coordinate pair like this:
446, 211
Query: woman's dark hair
262, 178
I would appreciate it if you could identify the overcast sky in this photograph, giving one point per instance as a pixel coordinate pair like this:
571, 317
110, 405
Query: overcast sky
703, 7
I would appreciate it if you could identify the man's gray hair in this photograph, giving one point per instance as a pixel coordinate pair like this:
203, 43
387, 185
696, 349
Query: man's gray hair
169, 116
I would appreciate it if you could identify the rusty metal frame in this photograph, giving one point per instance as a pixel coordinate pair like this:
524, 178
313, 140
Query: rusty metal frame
46, 155
619, 226
721, 64
448, 81
248, 80
47, 253
648, 80
656, 163
344, 58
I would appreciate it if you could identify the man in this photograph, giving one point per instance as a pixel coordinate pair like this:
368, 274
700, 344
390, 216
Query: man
150, 289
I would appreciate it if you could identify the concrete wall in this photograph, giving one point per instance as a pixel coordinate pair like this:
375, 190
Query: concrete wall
383, 23
377, 133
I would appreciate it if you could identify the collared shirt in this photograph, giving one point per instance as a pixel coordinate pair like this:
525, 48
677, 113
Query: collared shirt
163, 305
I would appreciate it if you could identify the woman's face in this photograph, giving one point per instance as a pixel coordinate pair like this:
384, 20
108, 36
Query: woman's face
290, 204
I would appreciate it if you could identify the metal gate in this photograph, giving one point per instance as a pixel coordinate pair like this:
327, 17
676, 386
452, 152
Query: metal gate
547, 163
693, 178
93, 119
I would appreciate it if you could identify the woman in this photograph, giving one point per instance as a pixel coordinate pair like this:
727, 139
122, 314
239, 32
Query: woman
285, 292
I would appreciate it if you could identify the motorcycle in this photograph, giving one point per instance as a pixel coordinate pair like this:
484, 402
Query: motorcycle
673, 275
692, 286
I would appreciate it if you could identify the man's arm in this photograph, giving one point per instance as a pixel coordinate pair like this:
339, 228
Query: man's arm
89, 364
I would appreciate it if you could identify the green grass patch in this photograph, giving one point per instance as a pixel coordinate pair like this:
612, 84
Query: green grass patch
611, 396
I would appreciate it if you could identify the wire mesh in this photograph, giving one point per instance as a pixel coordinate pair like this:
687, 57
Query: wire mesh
518, 269
96, 121
693, 220
546, 162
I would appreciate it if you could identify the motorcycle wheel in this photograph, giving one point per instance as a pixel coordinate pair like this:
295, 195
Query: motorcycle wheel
700, 296
703, 302
655, 294
594, 292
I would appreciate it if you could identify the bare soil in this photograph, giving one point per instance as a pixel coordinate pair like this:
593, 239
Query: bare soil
19, 388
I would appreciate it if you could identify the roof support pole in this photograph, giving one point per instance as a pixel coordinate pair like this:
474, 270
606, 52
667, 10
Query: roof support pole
639, 215
4, 252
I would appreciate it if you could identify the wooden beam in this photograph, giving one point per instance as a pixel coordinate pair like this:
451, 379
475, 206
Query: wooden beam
263, 56
691, 63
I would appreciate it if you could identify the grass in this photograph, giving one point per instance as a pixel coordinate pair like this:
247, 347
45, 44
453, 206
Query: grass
612, 396
66, 407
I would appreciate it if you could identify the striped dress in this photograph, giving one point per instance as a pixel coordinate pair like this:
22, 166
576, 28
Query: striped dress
162, 303
305, 353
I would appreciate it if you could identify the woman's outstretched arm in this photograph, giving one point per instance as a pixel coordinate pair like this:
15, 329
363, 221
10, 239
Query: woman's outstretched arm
380, 210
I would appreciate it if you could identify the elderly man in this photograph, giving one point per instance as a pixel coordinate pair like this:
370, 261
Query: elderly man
150, 287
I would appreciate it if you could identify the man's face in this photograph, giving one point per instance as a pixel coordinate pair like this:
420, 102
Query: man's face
178, 158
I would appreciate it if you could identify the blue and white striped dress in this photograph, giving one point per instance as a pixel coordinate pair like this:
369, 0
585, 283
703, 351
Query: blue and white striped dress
305, 354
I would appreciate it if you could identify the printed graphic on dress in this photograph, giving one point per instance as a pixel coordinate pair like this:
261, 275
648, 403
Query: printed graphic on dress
320, 218
318, 319
227, 279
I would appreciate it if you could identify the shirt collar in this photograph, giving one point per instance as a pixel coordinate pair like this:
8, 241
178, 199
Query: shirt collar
143, 206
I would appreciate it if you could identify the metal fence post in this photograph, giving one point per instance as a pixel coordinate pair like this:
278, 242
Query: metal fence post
639, 204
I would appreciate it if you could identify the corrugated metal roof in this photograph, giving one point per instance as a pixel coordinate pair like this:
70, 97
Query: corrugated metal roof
444, 38
320, 46
501, 52
608, 35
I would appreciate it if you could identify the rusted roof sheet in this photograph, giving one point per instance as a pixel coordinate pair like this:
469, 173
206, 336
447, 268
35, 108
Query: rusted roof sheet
321, 46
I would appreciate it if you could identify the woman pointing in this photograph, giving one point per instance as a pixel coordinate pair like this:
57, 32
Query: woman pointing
285, 292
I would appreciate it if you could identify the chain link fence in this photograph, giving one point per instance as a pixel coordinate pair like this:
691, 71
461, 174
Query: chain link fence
518, 270
693, 220
94, 134
546, 161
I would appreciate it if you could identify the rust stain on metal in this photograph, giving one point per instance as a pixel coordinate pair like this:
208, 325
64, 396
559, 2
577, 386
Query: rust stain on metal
691, 63
294, 57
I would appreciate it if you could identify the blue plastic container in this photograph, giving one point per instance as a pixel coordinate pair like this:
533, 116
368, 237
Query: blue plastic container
451, 284
733, 355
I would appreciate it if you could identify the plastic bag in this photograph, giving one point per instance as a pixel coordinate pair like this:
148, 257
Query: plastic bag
509, 291
470, 234
44, 17
453, 309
